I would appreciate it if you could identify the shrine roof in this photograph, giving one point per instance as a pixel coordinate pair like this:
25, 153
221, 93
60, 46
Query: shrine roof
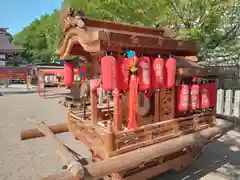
6, 46
186, 63
90, 37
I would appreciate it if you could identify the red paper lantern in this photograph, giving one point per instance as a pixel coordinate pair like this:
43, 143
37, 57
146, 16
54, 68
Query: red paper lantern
194, 97
183, 98
68, 73
122, 74
204, 96
108, 70
213, 93
144, 73
170, 72
152, 89
158, 73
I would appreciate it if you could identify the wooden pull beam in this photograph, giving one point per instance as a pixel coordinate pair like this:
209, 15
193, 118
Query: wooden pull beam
74, 166
35, 133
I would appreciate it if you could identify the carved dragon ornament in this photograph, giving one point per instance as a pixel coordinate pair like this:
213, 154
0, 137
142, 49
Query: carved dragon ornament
72, 18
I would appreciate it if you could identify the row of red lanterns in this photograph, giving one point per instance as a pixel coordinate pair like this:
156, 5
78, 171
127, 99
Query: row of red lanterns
115, 73
158, 72
69, 73
197, 95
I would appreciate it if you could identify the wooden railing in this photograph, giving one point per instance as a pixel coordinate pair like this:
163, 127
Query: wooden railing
127, 140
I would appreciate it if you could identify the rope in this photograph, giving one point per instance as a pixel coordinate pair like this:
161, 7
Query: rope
108, 106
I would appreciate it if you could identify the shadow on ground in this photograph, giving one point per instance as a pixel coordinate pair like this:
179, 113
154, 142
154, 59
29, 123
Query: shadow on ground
220, 160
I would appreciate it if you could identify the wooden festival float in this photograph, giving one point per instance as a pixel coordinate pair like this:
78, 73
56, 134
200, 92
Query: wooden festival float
160, 108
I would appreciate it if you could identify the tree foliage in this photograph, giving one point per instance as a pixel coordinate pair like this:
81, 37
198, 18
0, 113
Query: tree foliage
214, 23
41, 38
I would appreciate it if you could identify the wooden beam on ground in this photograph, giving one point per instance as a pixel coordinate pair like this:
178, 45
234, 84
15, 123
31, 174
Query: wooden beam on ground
74, 166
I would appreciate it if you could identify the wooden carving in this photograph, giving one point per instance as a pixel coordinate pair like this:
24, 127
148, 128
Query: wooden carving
72, 18
167, 104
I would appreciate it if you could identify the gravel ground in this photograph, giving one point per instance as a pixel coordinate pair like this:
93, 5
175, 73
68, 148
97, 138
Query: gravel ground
33, 159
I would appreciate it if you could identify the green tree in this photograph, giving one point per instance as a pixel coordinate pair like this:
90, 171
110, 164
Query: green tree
139, 12
41, 38
214, 23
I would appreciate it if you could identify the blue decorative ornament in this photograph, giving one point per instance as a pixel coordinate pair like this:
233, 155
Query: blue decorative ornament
81, 74
130, 54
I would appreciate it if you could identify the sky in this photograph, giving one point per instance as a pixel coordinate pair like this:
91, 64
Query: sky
17, 14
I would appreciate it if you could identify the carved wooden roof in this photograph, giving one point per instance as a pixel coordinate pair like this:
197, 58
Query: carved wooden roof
88, 37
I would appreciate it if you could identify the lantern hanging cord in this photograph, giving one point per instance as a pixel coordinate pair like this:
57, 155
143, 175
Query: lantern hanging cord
108, 104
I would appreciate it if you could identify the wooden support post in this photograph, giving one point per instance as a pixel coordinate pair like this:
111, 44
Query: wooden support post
213, 115
117, 121
74, 166
100, 96
82, 95
27, 81
157, 106
110, 138
93, 99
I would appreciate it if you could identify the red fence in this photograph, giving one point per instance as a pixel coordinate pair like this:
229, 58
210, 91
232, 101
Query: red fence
14, 75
